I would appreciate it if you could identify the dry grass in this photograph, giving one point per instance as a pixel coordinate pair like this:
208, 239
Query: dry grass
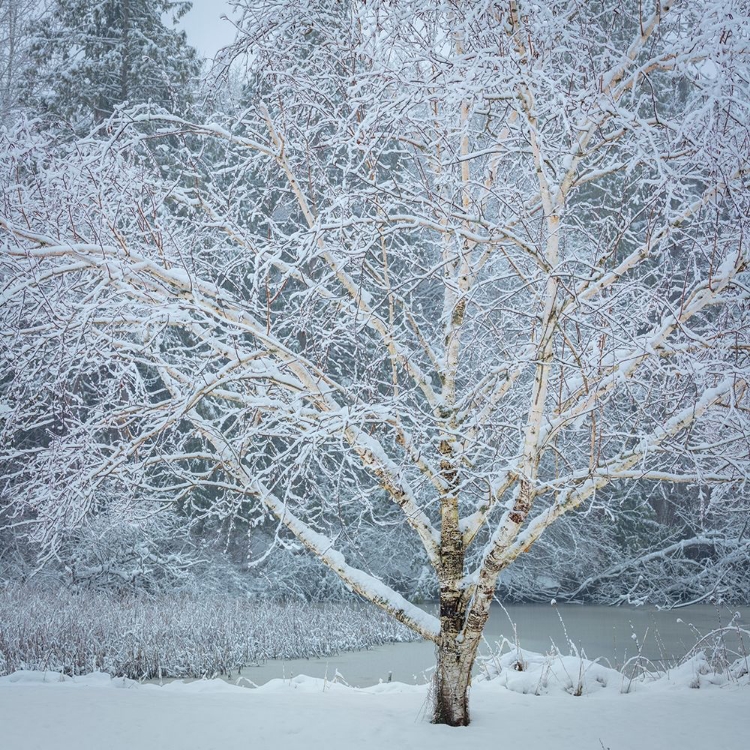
183, 636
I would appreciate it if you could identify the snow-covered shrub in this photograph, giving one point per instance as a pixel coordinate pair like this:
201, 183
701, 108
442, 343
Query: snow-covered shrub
151, 554
718, 657
183, 635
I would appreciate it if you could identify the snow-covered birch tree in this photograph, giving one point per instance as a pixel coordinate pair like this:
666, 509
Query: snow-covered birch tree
454, 268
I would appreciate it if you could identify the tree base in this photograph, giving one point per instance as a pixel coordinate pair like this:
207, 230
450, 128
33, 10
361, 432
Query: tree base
451, 698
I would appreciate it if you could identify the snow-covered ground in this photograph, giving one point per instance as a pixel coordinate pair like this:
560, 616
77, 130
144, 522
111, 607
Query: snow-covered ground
688, 709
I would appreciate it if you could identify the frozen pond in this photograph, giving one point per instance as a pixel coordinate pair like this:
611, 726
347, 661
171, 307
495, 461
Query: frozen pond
612, 634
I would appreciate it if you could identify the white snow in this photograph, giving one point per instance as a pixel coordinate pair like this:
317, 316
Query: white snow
44, 710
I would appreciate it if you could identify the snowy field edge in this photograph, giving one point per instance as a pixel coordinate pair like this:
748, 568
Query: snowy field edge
518, 671
538, 707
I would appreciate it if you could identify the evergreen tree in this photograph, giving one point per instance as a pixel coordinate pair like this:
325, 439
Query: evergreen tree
15, 15
87, 58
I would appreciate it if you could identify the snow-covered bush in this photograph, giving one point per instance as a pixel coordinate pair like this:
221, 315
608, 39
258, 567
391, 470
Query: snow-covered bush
175, 636
718, 658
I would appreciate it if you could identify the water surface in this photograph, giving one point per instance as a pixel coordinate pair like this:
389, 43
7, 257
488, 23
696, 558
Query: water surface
614, 635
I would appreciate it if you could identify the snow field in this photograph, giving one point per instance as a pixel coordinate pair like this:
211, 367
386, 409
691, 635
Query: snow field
42, 710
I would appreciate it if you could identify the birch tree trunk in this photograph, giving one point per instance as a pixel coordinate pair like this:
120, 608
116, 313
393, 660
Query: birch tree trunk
455, 658
457, 646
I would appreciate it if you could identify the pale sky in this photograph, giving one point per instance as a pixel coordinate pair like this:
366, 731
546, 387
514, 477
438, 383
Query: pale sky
206, 31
